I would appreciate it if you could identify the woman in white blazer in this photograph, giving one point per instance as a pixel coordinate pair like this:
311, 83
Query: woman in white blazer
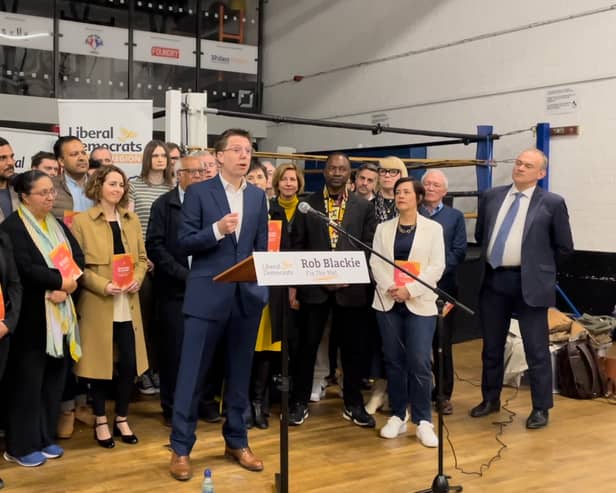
406, 310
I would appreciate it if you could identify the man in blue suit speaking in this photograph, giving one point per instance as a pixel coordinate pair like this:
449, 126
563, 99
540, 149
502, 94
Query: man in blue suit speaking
523, 232
223, 221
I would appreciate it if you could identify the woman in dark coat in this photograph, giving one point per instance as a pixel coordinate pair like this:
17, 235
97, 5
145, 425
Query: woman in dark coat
288, 183
10, 302
47, 334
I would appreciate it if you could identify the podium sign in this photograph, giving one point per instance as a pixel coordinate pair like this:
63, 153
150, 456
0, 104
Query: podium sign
298, 268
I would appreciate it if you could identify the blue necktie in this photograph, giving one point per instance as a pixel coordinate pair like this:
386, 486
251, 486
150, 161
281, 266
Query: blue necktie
498, 248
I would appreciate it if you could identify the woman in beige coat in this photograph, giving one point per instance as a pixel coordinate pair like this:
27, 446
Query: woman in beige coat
110, 315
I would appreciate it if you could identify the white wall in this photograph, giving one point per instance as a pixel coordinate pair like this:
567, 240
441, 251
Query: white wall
500, 79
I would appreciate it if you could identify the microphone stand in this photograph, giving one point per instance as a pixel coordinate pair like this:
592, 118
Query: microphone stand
440, 484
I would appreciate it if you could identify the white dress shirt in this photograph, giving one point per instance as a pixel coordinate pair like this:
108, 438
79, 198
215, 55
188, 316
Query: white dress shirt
512, 256
235, 197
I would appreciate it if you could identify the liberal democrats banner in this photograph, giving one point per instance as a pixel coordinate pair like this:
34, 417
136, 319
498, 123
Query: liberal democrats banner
122, 126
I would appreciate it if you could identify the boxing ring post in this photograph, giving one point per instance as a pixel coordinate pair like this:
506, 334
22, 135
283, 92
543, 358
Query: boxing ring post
543, 144
485, 152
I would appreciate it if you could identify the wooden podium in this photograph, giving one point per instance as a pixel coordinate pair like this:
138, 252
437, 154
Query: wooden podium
243, 271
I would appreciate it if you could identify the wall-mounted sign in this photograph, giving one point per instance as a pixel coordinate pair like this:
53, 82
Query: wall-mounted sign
229, 57
164, 48
26, 31
79, 38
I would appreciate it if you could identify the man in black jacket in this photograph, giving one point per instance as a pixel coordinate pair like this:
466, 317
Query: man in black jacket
347, 304
170, 274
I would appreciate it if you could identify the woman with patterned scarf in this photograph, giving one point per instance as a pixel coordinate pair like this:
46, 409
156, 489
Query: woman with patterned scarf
47, 333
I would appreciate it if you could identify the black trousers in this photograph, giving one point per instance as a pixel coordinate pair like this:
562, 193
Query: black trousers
124, 341
36, 382
348, 322
151, 328
448, 330
172, 332
171, 321
499, 299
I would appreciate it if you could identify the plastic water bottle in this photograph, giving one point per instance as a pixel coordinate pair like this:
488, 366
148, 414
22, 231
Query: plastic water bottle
208, 485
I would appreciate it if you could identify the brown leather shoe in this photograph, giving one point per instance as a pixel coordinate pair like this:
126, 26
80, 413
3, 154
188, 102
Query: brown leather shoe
245, 457
180, 467
66, 424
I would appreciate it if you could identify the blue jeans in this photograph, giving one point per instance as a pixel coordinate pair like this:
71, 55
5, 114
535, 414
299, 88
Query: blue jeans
407, 347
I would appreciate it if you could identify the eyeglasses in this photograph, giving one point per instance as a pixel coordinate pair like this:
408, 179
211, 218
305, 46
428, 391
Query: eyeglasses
238, 150
389, 171
53, 193
192, 172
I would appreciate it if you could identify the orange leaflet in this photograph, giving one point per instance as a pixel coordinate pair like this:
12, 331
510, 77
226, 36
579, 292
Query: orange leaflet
123, 270
400, 278
64, 262
2, 309
274, 234
68, 217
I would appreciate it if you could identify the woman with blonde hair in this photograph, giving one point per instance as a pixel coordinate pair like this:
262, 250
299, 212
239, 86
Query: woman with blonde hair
391, 169
109, 309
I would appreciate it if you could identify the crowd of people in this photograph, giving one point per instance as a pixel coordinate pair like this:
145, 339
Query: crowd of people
108, 278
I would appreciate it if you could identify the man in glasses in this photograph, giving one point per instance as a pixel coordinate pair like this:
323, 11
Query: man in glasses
223, 222
8, 198
366, 180
172, 267
210, 166
72, 156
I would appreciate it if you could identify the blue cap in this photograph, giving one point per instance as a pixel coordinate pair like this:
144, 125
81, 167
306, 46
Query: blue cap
207, 473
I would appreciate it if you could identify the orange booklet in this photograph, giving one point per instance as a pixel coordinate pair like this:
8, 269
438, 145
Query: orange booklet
447, 308
68, 217
123, 270
400, 278
64, 262
274, 235
2, 309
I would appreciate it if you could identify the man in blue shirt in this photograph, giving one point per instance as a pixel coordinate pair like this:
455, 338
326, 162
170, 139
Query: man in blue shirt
72, 155
452, 220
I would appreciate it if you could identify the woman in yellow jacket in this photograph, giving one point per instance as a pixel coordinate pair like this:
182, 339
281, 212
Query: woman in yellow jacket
110, 315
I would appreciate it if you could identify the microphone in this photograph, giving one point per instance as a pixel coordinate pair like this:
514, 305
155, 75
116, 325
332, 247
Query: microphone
305, 208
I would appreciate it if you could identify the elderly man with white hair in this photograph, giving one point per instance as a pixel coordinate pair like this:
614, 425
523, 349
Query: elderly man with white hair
452, 220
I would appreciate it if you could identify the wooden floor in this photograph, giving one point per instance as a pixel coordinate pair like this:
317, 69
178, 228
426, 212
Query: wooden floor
575, 453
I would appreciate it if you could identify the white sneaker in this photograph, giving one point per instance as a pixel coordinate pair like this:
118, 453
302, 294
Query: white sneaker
425, 434
318, 391
378, 397
393, 428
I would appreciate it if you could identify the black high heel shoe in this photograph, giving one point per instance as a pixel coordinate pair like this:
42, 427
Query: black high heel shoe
108, 442
130, 439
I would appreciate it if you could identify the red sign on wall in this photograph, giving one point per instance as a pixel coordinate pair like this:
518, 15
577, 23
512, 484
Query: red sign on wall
161, 51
